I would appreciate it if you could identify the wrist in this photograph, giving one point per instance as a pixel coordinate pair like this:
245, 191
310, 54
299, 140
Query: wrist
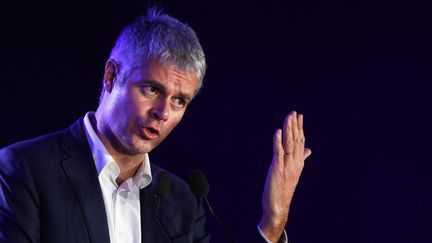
272, 228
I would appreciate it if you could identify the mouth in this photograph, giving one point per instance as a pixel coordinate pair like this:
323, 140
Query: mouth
150, 132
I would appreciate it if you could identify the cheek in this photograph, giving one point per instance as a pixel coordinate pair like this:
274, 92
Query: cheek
123, 113
130, 107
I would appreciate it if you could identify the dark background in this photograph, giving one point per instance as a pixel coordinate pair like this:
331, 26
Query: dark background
358, 70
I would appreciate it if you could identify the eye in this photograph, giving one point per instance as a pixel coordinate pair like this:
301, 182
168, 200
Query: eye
150, 90
179, 102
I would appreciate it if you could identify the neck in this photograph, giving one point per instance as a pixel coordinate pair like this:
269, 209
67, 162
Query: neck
127, 163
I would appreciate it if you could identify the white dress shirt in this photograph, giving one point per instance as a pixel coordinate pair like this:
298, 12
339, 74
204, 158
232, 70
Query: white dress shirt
122, 202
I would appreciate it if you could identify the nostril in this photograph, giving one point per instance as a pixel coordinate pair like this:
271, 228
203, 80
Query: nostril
159, 112
155, 115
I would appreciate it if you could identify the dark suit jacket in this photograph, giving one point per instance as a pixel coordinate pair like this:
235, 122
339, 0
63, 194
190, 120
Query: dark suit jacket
50, 193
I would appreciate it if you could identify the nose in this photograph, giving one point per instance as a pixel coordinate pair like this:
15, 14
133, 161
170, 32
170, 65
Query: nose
160, 110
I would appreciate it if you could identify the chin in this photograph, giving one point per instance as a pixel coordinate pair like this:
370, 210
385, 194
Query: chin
138, 145
143, 147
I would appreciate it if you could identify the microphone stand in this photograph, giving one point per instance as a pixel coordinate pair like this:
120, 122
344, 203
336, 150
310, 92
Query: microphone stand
225, 230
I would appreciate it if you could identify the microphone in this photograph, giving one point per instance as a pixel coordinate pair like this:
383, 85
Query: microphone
200, 187
161, 187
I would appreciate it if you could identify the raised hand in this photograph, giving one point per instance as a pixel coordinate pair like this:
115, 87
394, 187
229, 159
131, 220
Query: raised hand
289, 153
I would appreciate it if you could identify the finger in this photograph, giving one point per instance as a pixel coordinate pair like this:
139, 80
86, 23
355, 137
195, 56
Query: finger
288, 141
295, 126
298, 145
278, 150
300, 127
307, 153
277, 142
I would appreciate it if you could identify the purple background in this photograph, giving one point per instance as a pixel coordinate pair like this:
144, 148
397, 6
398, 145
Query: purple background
358, 70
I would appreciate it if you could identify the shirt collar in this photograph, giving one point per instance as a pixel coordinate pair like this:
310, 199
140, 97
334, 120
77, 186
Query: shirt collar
103, 159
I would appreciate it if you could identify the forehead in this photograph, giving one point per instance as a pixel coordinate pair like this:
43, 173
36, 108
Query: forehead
167, 75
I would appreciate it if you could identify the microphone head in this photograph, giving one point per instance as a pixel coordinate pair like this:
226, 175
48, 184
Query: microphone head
198, 183
161, 184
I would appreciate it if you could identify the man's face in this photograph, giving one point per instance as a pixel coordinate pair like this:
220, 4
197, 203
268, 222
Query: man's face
147, 106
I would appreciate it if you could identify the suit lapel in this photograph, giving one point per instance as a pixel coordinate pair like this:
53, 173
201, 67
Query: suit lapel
150, 229
82, 174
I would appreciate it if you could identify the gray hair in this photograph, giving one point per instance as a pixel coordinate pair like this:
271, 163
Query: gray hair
158, 35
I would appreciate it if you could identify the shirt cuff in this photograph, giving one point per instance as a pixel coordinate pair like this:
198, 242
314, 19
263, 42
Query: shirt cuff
283, 239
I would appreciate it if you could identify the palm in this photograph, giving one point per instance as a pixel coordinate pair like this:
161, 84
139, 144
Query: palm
289, 154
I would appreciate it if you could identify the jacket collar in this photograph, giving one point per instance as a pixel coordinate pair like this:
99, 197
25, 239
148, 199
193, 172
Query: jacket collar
82, 174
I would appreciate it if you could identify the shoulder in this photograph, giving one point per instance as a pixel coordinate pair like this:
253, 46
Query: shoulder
36, 145
37, 152
51, 145
40, 148
19, 159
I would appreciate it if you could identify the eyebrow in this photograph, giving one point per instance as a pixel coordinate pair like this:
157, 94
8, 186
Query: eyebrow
163, 89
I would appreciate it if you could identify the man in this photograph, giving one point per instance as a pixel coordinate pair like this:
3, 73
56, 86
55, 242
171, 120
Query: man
90, 182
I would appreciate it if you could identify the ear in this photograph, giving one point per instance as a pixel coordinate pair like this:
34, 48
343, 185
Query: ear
111, 72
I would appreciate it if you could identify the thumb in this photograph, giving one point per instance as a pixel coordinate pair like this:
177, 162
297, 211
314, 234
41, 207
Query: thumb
307, 153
